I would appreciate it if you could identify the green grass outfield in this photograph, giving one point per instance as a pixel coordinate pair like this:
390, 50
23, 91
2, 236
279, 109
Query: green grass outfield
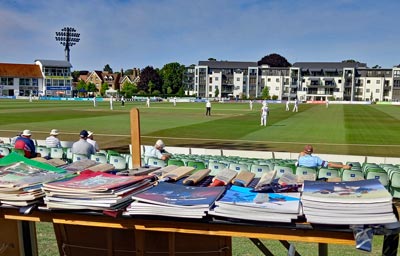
370, 130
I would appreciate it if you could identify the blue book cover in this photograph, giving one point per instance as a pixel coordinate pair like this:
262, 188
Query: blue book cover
274, 202
178, 195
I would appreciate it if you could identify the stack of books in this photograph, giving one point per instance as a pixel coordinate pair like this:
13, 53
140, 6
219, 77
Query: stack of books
175, 200
20, 183
346, 203
245, 204
94, 191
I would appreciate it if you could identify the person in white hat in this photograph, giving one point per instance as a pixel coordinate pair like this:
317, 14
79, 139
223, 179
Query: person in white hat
26, 143
52, 141
158, 151
264, 114
92, 141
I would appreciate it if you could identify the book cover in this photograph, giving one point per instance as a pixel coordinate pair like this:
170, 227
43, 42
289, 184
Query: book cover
19, 175
351, 192
94, 181
179, 195
274, 202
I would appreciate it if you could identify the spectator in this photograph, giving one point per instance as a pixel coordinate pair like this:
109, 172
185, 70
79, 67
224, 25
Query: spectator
148, 102
158, 151
306, 159
26, 143
52, 141
92, 141
82, 146
14, 139
123, 101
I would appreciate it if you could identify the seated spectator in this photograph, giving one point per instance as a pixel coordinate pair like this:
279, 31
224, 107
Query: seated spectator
52, 141
92, 141
158, 151
306, 159
26, 143
82, 146
13, 139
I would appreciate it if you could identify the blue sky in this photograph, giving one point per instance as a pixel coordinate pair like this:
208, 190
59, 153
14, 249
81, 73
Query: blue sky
139, 33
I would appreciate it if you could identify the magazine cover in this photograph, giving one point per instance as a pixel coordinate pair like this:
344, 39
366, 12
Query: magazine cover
23, 175
275, 202
361, 191
94, 181
174, 194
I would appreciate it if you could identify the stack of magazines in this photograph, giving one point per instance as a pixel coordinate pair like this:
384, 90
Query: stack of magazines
244, 204
20, 183
346, 203
94, 191
174, 200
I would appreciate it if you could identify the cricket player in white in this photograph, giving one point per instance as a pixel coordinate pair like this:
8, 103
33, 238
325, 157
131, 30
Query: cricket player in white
296, 106
287, 105
264, 114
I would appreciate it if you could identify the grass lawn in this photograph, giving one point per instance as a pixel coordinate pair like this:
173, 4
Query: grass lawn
371, 130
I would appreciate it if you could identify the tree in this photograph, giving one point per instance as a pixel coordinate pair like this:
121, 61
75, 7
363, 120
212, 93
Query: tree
146, 75
128, 89
91, 87
75, 74
81, 87
265, 93
104, 87
108, 69
274, 60
350, 61
172, 75
376, 66
216, 92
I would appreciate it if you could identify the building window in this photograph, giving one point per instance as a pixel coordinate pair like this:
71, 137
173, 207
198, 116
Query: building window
368, 81
7, 81
378, 81
238, 79
216, 79
269, 79
210, 80
377, 90
339, 81
277, 88
367, 91
277, 80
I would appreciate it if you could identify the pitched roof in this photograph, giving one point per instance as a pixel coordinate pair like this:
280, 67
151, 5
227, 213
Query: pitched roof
55, 63
20, 70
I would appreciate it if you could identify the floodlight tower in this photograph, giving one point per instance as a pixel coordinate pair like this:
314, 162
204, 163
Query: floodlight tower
67, 37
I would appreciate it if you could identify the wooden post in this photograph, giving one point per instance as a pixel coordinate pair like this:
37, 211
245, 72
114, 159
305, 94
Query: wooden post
135, 138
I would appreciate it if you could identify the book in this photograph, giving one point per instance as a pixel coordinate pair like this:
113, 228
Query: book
223, 177
80, 165
266, 179
243, 179
180, 195
363, 191
178, 173
94, 181
174, 200
103, 167
19, 175
348, 202
244, 204
196, 177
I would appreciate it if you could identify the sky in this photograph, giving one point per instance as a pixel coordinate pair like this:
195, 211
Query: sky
128, 34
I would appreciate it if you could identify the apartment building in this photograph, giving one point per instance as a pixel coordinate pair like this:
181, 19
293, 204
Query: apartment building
306, 81
226, 79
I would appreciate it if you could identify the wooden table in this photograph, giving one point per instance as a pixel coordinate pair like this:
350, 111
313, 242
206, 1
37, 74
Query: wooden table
142, 227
